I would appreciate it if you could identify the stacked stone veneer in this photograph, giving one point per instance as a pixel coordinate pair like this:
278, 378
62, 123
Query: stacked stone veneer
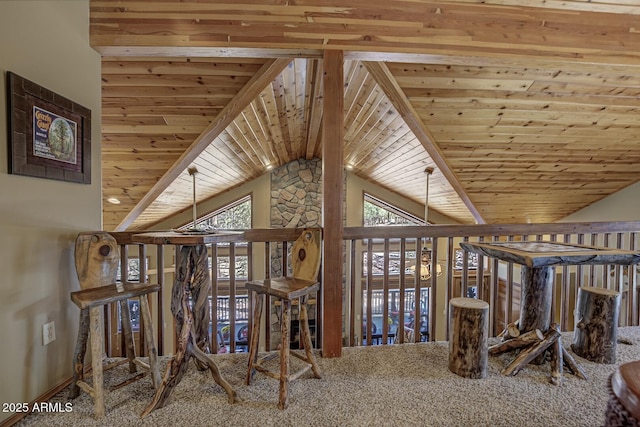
296, 201
296, 194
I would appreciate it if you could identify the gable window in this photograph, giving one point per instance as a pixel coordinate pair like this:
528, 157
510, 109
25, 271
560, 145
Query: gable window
234, 216
378, 212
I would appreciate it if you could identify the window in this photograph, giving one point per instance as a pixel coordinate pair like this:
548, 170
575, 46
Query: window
234, 216
379, 212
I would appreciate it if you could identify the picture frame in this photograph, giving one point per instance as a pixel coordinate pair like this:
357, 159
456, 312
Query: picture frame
49, 135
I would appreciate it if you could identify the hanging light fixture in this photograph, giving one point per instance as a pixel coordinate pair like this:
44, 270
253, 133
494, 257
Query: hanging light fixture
193, 171
425, 256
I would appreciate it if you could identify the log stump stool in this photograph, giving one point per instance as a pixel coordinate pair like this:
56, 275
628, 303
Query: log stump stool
96, 259
468, 344
623, 407
596, 330
305, 260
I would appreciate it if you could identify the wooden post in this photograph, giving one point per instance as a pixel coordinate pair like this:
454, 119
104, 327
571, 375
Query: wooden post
469, 327
332, 202
596, 332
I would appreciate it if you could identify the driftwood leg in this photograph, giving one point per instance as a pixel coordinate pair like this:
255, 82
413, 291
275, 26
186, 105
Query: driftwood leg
200, 291
596, 332
305, 338
178, 365
283, 396
215, 373
573, 366
78, 355
255, 336
96, 360
556, 361
527, 355
130, 350
523, 340
151, 346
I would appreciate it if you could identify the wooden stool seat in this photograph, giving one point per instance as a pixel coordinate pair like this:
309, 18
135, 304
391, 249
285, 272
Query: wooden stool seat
306, 263
96, 263
623, 407
93, 297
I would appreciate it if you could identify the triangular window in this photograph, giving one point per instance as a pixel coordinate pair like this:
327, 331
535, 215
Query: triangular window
378, 212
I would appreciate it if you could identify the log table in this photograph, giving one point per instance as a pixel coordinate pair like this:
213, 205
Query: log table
534, 334
190, 306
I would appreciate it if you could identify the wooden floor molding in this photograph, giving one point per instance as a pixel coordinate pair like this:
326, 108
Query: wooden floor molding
42, 398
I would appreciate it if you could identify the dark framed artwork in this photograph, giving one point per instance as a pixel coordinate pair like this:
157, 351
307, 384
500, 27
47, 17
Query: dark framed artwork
49, 135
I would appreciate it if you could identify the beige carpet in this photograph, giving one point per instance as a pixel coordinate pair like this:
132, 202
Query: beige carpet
399, 385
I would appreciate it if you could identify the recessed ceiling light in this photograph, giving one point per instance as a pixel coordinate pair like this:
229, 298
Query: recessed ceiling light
349, 166
269, 167
113, 200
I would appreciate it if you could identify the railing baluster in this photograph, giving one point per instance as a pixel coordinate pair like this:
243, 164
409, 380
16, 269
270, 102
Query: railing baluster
352, 305
433, 294
159, 300
402, 293
385, 292
215, 345
509, 290
464, 280
369, 301
266, 309
232, 297
632, 312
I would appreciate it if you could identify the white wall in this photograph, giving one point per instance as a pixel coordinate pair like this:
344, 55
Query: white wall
621, 206
46, 42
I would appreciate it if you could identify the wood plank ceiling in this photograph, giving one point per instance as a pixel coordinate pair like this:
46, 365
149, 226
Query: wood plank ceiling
527, 110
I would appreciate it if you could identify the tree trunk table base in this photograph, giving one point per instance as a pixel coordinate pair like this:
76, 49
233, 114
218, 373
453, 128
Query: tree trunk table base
538, 259
192, 286
533, 345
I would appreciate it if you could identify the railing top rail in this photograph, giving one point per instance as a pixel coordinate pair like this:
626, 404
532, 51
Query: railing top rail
291, 234
488, 230
252, 235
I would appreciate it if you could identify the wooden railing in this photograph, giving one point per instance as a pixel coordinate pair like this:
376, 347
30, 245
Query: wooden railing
382, 286
494, 281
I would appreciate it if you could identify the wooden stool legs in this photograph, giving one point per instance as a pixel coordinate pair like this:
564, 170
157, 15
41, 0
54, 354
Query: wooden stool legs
284, 376
91, 327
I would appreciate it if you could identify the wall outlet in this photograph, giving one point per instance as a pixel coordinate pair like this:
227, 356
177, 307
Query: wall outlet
48, 332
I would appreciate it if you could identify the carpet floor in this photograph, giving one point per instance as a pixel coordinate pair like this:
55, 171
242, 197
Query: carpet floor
395, 385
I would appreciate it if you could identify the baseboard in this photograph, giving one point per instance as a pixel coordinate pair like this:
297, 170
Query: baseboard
42, 398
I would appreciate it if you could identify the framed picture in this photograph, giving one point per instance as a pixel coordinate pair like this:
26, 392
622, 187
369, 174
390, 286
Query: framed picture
49, 135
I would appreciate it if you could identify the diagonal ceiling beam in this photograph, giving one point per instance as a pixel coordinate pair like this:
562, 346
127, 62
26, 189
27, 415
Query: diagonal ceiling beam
389, 85
315, 110
269, 71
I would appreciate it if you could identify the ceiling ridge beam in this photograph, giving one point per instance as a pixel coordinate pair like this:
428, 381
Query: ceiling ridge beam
389, 85
264, 77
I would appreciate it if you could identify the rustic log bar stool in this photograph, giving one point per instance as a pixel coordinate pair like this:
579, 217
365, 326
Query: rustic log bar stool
305, 261
596, 333
468, 346
96, 258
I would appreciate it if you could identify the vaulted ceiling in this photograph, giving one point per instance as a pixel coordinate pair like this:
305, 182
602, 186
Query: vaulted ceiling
527, 113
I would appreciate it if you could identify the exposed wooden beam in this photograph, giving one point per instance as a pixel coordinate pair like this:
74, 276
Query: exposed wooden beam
385, 79
332, 202
269, 71
315, 111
